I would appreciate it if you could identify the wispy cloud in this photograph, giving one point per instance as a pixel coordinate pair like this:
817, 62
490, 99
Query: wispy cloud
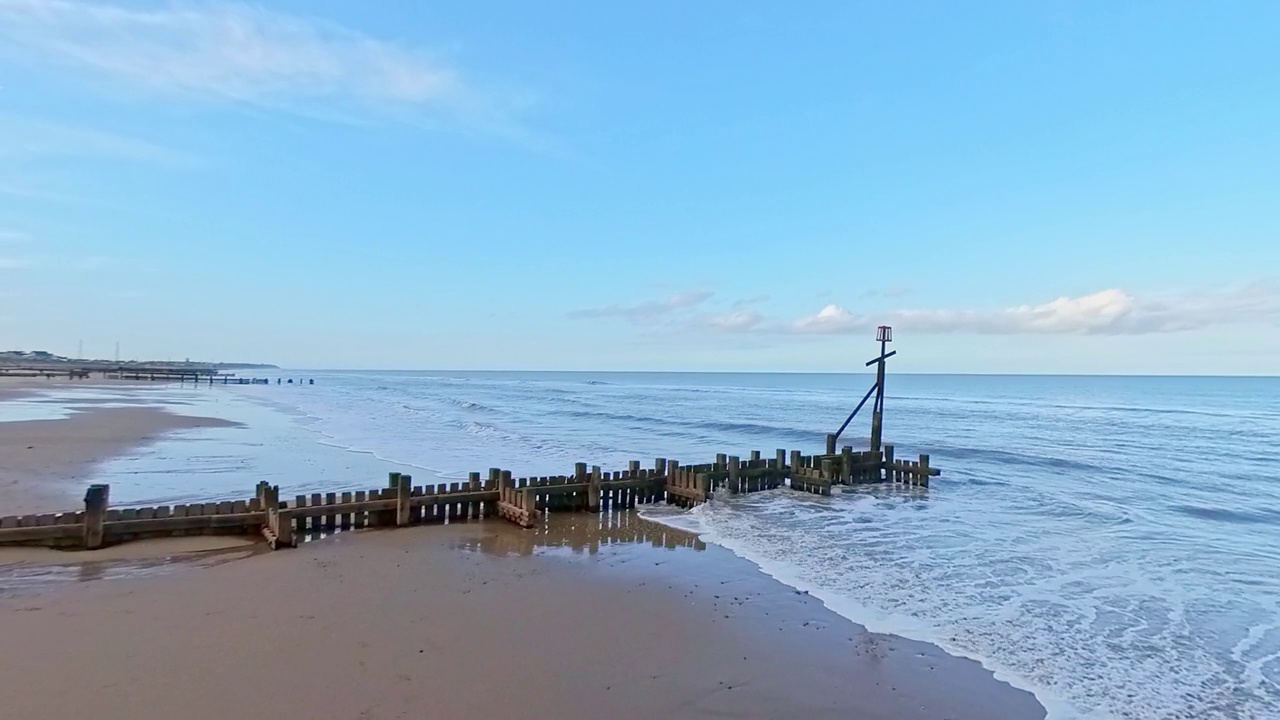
648, 311
244, 54
29, 138
1107, 312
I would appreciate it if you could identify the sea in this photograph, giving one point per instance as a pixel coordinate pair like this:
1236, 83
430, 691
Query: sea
1111, 544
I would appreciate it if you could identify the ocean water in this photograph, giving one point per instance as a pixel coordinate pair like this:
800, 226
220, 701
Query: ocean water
1111, 544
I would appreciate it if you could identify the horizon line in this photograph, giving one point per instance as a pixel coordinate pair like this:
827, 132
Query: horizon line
787, 372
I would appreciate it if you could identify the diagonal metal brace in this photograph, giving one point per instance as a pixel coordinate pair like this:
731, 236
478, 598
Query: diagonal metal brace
886, 356
849, 419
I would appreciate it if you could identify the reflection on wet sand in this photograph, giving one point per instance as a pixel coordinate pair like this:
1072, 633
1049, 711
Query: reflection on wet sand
579, 533
27, 578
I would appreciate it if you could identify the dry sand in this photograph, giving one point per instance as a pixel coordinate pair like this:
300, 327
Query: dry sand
46, 464
457, 622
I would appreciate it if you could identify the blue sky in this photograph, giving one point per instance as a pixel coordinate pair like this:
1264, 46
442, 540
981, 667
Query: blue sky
1015, 187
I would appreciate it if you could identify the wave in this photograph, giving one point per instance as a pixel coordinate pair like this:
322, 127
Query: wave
696, 521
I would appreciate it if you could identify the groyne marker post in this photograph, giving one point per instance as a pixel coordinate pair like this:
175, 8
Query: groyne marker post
884, 334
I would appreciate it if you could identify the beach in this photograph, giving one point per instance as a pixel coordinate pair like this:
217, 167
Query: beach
47, 463
458, 622
592, 615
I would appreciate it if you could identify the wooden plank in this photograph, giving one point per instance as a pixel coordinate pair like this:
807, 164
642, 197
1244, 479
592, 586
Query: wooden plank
40, 533
248, 521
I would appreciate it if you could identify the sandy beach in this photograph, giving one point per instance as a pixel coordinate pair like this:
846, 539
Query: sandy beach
475, 620
47, 463
591, 616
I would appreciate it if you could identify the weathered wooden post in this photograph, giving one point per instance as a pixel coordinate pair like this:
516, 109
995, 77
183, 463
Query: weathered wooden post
721, 459
659, 483
923, 478
846, 462
732, 464
831, 444
283, 519
528, 503
404, 499
636, 494
673, 477
889, 474
593, 489
779, 468
473, 484
388, 517
95, 515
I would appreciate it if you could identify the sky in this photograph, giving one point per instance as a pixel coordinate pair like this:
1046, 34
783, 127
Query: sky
1014, 187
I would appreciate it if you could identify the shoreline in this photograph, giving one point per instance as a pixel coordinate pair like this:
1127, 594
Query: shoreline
64, 452
49, 462
609, 615
856, 614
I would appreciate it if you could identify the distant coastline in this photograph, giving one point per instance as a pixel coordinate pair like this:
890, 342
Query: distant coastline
41, 360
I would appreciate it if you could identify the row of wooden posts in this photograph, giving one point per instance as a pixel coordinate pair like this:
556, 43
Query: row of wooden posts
523, 501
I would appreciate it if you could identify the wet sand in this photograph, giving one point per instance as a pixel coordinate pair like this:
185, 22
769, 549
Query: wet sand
48, 463
475, 620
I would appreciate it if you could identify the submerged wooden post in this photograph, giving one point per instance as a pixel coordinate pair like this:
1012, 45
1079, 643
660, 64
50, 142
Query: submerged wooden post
923, 478
404, 497
889, 474
831, 444
95, 515
733, 464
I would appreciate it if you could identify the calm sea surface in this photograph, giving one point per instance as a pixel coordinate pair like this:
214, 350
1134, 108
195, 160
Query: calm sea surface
1112, 544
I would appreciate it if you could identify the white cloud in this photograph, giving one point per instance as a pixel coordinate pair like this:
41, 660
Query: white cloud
647, 311
240, 53
738, 320
1108, 312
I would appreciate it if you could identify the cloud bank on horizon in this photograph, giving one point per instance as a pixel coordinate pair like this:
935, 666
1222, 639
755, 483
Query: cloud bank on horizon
1106, 312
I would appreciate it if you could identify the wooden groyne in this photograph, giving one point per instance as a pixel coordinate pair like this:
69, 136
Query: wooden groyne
525, 501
